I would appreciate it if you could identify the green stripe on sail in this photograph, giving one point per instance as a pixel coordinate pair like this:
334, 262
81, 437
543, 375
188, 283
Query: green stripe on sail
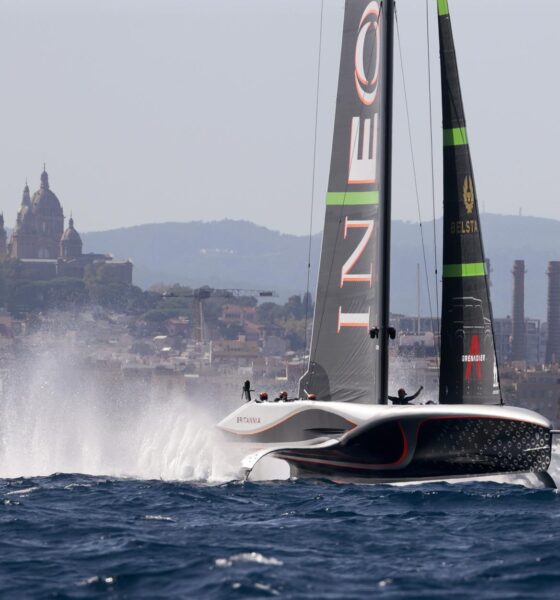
465, 270
352, 198
442, 8
455, 137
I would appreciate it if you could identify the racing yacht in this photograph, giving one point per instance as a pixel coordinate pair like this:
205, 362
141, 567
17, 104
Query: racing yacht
341, 426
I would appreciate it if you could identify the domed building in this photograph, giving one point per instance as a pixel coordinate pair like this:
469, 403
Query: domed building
39, 224
71, 242
45, 250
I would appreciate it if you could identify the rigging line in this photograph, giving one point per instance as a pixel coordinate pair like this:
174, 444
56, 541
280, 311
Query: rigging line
438, 346
313, 179
415, 176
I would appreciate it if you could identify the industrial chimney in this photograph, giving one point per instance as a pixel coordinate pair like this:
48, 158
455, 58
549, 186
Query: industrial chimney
553, 341
519, 334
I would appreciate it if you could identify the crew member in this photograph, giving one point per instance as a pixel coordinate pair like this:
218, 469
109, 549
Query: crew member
402, 398
246, 391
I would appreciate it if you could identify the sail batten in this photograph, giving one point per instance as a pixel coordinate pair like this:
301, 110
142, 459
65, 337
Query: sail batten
468, 367
345, 364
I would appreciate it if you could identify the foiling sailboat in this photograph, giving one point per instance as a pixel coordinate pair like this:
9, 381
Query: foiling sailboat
342, 426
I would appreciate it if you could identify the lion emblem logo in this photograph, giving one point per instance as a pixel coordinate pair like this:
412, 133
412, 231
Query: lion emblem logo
468, 194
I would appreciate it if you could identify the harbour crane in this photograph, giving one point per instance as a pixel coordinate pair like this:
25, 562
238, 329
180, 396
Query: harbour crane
199, 295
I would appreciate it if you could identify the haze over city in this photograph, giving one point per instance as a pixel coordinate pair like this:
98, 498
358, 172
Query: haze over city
177, 110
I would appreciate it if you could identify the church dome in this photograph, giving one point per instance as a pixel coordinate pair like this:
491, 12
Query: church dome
44, 201
70, 242
71, 235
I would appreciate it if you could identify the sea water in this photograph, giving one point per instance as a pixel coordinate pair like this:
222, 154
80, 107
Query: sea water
135, 497
79, 536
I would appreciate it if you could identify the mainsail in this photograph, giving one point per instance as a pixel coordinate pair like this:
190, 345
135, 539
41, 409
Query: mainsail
345, 364
468, 370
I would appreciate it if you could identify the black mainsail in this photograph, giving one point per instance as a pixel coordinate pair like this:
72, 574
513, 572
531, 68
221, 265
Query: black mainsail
468, 370
345, 365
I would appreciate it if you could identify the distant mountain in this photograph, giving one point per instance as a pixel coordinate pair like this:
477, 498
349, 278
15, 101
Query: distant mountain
506, 238
241, 254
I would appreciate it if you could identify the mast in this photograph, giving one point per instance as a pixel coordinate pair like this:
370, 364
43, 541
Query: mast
468, 367
388, 8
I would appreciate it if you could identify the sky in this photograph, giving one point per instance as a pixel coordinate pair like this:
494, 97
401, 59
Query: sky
177, 110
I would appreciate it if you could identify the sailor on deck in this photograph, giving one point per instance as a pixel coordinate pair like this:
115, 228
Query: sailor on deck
402, 398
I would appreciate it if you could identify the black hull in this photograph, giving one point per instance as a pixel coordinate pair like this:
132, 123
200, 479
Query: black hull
430, 449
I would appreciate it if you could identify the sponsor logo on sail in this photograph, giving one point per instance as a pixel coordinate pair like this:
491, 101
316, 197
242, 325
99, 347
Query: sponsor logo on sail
363, 158
474, 357
367, 88
346, 274
362, 162
468, 194
464, 227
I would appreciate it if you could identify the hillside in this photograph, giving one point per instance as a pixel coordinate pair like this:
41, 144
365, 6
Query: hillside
221, 254
240, 254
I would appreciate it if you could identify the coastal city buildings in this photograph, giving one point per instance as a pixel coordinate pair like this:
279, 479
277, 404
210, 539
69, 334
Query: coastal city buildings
182, 351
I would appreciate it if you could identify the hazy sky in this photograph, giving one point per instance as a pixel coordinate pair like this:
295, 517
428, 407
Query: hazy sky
177, 110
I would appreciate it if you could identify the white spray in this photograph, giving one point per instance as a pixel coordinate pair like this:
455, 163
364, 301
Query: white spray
56, 419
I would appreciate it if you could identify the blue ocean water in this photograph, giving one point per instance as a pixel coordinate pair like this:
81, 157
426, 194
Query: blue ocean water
161, 515
75, 536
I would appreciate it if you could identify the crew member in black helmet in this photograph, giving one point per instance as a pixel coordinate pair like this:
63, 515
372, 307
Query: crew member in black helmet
246, 391
402, 398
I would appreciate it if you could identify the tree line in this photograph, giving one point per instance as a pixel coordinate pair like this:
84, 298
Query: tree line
154, 306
